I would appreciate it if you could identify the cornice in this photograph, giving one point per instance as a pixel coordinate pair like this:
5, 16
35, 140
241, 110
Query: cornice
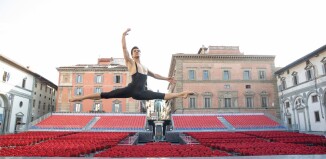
214, 56
87, 69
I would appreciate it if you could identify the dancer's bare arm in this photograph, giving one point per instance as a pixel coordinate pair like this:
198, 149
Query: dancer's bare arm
124, 48
157, 76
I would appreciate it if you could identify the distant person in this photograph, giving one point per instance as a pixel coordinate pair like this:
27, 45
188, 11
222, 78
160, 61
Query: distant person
136, 89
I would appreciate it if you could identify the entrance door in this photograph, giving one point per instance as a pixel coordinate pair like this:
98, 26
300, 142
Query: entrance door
18, 123
302, 121
290, 122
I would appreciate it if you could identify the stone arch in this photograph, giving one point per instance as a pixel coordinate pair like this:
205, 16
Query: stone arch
323, 97
309, 94
4, 101
4, 105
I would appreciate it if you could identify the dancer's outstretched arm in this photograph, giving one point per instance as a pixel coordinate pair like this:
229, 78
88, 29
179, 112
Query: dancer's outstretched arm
157, 76
126, 56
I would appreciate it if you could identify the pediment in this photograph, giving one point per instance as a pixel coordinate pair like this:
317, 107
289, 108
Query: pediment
309, 65
323, 60
249, 93
19, 114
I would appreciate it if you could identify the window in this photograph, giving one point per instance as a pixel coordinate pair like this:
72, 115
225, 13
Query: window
249, 102
295, 80
41, 86
205, 75
117, 79
287, 104
226, 75
246, 75
192, 102
79, 79
264, 102
24, 83
261, 75
33, 103
116, 107
35, 85
309, 74
289, 121
324, 65
191, 74
97, 107
97, 90
314, 98
98, 79
207, 103
227, 102
317, 118
46, 88
227, 86
43, 106
283, 83
116, 87
39, 105
248, 86
77, 107
5, 76
78, 91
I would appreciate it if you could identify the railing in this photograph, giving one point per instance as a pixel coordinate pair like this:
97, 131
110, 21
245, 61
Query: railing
274, 118
39, 119
224, 110
98, 113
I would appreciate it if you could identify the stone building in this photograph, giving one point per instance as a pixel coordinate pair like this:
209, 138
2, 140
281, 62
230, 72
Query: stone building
302, 92
83, 79
19, 95
225, 80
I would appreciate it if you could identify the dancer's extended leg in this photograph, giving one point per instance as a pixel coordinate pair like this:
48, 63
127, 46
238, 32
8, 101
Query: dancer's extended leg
184, 94
117, 93
90, 96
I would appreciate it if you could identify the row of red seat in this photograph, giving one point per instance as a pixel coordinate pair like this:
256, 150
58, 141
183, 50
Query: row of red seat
65, 121
237, 121
291, 137
121, 122
160, 150
197, 122
71, 145
77, 121
248, 144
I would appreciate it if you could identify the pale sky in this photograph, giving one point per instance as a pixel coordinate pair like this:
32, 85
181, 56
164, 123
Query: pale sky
46, 34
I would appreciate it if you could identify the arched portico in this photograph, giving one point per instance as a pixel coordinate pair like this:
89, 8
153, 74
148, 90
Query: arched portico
4, 107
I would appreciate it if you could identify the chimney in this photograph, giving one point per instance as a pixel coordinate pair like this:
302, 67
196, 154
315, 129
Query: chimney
104, 61
202, 50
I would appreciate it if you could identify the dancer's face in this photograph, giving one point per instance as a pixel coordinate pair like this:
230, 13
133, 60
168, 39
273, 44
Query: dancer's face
136, 53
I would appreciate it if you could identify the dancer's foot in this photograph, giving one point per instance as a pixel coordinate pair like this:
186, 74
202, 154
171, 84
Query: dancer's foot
187, 93
74, 100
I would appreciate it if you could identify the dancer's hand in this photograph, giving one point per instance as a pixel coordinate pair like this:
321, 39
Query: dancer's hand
171, 80
126, 32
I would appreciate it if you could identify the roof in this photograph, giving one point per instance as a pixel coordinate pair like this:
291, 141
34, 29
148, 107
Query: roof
36, 75
302, 59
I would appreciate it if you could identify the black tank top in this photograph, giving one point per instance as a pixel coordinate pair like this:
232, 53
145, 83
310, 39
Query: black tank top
139, 80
